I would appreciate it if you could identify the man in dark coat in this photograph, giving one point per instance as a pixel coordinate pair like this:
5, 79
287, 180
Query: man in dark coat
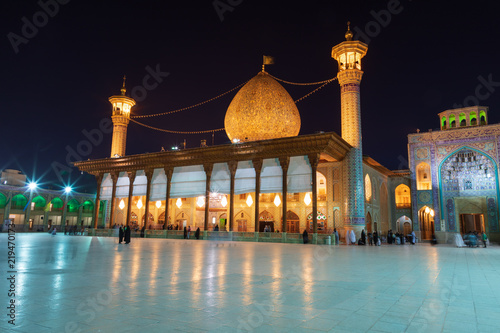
305, 237
126, 233
120, 235
197, 233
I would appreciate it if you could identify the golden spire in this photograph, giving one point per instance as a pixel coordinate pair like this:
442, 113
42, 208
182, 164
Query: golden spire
124, 90
348, 34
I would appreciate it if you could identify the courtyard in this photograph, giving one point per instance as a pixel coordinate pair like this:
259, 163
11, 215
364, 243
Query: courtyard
93, 284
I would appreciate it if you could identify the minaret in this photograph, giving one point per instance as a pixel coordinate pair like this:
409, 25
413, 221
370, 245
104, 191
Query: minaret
121, 117
348, 55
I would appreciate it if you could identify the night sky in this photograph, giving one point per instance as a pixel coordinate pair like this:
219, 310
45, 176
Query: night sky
423, 58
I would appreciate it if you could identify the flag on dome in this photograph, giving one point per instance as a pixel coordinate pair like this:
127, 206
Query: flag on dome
268, 60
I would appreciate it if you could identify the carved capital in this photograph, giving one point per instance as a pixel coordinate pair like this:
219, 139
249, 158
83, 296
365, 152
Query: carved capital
257, 165
208, 169
232, 165
131, 176
284, 163
149, 174
168, 173
313, 160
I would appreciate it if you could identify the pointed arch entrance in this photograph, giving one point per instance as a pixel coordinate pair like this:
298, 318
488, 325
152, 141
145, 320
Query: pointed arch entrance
292, 222
266, 219
369, 223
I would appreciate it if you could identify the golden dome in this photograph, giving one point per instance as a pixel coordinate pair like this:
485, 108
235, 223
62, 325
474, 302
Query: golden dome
262, 110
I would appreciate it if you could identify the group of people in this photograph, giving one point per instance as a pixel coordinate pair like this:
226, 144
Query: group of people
472, 239
187, 232
124, 234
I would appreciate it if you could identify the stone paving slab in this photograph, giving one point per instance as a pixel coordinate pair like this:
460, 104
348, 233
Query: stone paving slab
93, 284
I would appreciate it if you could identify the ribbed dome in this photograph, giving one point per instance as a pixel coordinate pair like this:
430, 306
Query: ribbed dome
262, 110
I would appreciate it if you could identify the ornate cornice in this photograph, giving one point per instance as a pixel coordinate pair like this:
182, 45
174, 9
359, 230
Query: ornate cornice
455, 134
330, 144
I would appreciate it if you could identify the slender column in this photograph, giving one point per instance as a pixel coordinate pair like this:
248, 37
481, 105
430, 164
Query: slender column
114, 177
208, 171
79, 218
284, 163
6, 211
168, 174
28, 211
97, 200
131, 177
257, 165
233, 165
314, 160
64, 213
149, 176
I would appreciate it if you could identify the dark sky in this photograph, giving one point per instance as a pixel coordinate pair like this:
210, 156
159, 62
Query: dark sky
423, 58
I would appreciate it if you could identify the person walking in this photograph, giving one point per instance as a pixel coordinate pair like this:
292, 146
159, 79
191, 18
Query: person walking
143, 230
337, 238
185, 232
305, 237
197, 233
126, 234
370, 238
120, 235
485, 239
375, 237
363, 237
189, 231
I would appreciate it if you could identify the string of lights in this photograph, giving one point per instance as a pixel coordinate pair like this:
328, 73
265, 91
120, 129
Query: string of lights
315, 90
177, 132
324, 83
303, 84
190, 107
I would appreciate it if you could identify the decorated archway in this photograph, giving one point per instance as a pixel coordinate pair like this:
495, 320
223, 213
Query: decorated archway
322, 222
266, 219
292, 222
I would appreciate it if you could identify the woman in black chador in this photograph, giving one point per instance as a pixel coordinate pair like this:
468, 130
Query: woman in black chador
197, 233
185, 233
305, 237
120, 235
143, 229
126, 233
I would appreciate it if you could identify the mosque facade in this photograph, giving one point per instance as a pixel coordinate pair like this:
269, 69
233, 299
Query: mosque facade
271, 179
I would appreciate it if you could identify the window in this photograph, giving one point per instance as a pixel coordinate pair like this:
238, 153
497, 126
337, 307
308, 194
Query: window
424, 181
403, 197
368, 188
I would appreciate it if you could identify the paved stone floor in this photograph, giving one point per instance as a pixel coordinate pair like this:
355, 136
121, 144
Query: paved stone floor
91, 284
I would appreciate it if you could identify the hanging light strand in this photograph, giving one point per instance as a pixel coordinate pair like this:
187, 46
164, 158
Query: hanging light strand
219, 129
189, 107
177, 132
312, 92
303, 84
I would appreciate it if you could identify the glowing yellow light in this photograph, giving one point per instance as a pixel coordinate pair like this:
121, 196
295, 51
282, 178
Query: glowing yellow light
178, 203
427, 210
121, 204
249, 200
223, 202
432, 212
307, 199
277, 200
200, 201
158, 204
139, 204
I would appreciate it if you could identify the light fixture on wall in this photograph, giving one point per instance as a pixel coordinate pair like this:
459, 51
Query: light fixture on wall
307, 199
427, 210
158, 204
121, 204
139, 204
178, 203
277, 200
223, 201
200, 201
432, 212
249, 200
